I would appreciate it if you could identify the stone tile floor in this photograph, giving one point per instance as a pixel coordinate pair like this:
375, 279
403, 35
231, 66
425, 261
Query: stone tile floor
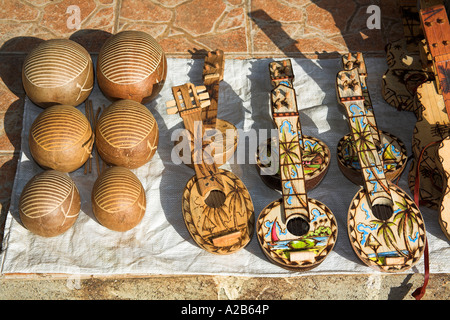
185, 28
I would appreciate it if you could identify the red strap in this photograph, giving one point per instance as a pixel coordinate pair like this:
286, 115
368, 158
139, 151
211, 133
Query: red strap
419, 292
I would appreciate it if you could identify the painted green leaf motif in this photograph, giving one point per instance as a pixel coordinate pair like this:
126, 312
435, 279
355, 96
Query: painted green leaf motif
301, 244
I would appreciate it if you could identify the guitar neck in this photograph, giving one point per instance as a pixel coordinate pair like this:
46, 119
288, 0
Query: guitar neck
436, 28
212, 75
350, 96
285, 116
350, 61
189, 103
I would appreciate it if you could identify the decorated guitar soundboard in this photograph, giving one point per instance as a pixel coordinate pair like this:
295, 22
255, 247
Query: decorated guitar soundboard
385, 227
392, 151
294, 232
216, 205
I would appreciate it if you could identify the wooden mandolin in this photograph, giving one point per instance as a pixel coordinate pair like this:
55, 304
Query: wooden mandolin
217, 207
315, 153
294, 232
385, 227
390, 148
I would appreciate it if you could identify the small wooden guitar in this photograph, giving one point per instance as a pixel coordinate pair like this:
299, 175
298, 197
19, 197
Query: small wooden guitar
294, 232
315, 153
217, 207
391, 149
435, 99
385, 227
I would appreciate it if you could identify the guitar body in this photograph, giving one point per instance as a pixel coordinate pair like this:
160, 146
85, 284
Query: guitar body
316, 161
444, 165
432, 126
294, 252
391, 150
391, 245
224, 226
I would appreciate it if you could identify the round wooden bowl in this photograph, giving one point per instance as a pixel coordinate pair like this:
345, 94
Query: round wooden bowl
118, 199
126, 134
49, 204
131, 65
61, 138
58, 71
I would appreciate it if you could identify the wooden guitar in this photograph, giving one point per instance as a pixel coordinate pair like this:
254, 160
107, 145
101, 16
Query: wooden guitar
431, 134
294, 232
315, 153
217, 207
391, 149
223, 145
385, 227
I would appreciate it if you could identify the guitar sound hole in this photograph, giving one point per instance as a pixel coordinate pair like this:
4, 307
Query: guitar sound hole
298, 226
215, 199
382, 212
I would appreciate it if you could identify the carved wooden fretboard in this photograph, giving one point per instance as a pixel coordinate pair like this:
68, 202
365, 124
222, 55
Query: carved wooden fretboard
286, 118
350, 61
189, 101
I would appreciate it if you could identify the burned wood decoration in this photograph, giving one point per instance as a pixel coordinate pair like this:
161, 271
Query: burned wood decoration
294, 232
385, 227
217, 208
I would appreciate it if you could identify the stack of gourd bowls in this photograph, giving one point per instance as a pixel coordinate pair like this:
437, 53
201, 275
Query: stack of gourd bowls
58, 76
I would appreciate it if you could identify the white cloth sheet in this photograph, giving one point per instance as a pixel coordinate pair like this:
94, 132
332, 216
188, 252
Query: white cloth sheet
161, 244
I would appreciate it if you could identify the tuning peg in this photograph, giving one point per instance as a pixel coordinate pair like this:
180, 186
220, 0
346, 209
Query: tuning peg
359, 57
345, 85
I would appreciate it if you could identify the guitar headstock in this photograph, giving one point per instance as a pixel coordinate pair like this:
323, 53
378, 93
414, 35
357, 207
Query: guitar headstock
350, 61
281, 72
188, 99
354, 60
283, 101
348, 84
436, 29
213, 67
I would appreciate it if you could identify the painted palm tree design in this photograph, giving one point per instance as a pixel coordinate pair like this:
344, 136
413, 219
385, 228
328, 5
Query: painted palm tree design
407, 219
385, 231
289, 156
368, 153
